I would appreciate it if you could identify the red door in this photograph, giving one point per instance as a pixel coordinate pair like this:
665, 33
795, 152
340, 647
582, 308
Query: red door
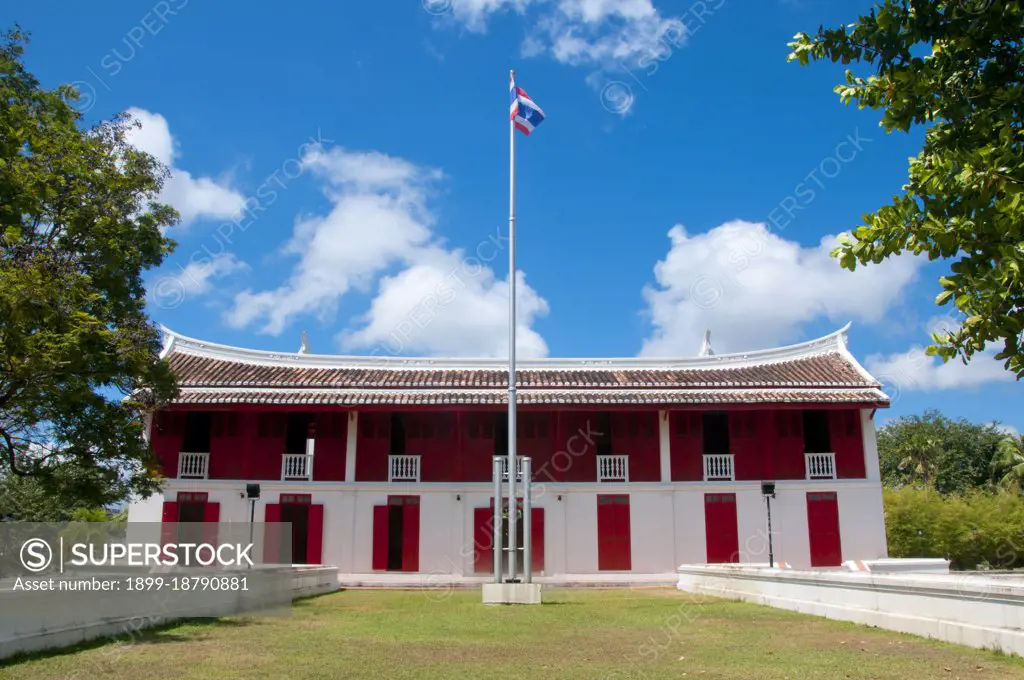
272, 552
483, 540
411, 534
315, 538
169, 527
823, 529
613, 540
211, 517
537, 539
380, 537
403, 527
720, 527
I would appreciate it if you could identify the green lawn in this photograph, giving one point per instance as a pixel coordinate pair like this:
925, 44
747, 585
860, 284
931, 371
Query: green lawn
653, 633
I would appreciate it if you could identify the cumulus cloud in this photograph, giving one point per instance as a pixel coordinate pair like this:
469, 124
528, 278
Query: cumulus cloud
441, 301
197, 277
755, 289
193, 197
602, 35
913, 370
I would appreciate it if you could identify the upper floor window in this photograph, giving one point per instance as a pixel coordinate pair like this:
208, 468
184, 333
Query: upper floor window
397, 434
197, 432
296, 432
816, 434
716, 433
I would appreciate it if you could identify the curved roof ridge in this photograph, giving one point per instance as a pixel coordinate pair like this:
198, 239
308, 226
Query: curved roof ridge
833, 342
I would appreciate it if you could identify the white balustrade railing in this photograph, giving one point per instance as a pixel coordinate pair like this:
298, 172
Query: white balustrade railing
403, 468
613, 468
193, 466
820, 465
519, 468
719, 467
296, 467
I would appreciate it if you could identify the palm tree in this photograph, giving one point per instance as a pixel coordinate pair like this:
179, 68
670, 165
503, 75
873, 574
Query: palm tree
1007, 464
918, 455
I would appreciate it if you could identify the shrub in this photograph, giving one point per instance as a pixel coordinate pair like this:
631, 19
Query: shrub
975, 528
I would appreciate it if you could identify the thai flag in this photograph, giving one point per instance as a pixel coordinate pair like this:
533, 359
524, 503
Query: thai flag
524, 112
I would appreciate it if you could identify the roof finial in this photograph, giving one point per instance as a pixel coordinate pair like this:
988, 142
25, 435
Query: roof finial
304, 346
705, 347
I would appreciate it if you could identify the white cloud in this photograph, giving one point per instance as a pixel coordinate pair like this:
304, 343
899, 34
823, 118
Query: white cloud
441, 301
193, 197
1009, 430
913, 370
449, 304
197, 277
755, 289
605, 36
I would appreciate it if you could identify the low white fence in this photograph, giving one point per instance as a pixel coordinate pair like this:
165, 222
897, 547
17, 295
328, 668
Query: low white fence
29, 622
969, 609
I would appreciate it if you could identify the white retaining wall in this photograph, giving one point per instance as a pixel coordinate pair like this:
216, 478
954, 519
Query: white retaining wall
968, 609
31, 624
666, 520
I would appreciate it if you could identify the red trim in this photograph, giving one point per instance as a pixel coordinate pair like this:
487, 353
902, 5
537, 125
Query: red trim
315, 537
497, 408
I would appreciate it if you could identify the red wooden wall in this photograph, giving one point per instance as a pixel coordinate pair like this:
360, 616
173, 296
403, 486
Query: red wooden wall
433, 437
330, 433
636, 434
575, 458
373, 446
165, 437
477, 440
686, 439
845, 435
459, 445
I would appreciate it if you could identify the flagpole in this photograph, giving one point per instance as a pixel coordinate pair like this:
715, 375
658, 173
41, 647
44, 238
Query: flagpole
512, 508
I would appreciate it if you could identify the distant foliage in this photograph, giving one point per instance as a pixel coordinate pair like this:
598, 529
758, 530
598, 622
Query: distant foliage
951, 456
978, 528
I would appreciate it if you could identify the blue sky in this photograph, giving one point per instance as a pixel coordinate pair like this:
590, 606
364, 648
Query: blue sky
343, 168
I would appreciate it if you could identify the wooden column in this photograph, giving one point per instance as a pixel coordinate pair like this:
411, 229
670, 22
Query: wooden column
665, 446
352, 436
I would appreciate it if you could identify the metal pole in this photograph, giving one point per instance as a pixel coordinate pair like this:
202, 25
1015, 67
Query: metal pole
771, 551
498, 553
512, 542
527, 521
252, 523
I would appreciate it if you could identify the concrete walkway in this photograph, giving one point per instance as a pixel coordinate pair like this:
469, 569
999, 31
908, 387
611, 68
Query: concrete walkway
441, 580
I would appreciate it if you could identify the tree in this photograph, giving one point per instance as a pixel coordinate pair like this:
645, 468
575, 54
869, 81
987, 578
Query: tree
957, 68
1008, 463
79, 223
931, 450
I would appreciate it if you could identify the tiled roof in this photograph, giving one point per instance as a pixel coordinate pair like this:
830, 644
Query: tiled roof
349, 397
817, 371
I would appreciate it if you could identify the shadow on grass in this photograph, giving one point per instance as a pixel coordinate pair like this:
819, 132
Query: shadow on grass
157, 635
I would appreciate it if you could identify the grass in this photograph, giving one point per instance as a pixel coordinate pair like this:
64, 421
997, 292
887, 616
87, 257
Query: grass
652, 633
